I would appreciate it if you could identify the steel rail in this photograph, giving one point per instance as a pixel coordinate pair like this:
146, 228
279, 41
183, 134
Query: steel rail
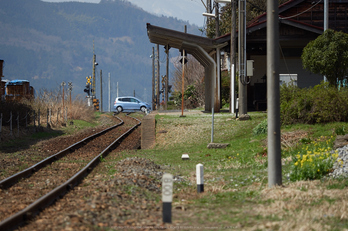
8, 182
34, 208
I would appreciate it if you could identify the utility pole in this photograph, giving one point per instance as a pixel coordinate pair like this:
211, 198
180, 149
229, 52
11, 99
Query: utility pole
217, 28
70, 89
109, 93
273, 95
63, 85
326, 21
326, 15
93, 73
183, 82
167, 76
183, 79
233, 57
158, 79
153, 79
101, 91
243, 107
208, 10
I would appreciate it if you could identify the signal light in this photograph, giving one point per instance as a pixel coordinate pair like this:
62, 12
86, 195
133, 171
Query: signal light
183, 57
88, 89
96, 104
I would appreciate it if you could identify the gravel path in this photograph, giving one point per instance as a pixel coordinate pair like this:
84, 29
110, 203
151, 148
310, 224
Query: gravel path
341, 165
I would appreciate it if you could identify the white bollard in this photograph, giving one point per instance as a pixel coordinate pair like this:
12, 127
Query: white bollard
200, 178
167, 197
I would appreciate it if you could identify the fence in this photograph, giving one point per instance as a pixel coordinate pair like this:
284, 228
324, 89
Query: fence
31, 120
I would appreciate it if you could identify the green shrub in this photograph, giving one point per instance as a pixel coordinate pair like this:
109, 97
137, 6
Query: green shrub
261, 128
320, 104
340, 131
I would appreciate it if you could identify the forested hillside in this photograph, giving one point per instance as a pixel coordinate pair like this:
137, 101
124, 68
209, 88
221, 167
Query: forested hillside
47, 43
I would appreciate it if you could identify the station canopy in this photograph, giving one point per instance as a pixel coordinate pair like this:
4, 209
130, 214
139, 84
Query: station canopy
188, 42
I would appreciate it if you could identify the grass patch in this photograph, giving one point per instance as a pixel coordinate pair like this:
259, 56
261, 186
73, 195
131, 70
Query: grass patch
235, 178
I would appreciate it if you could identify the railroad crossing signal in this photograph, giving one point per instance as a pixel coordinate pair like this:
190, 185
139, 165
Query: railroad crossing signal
183, 57
164, 79
88, 89
88, 85
70, 86
89, 80
96, 104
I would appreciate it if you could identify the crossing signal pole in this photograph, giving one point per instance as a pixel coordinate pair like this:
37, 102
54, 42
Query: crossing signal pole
88, 90
167, 47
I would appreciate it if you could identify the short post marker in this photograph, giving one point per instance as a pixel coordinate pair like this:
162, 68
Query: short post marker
200, 178
167, 197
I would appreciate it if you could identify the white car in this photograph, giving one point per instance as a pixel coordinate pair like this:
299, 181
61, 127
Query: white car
130, 104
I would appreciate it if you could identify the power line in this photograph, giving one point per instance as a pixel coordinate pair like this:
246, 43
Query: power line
301, 12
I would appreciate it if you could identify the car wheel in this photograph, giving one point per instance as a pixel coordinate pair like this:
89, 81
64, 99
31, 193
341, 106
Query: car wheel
119, 109
143, 109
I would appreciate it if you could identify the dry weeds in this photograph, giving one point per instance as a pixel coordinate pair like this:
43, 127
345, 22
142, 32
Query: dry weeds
183, 133
303, 205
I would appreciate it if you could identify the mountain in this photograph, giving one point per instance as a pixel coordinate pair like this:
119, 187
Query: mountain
47, 43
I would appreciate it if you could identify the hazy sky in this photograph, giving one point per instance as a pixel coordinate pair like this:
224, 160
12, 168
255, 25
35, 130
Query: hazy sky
187, 10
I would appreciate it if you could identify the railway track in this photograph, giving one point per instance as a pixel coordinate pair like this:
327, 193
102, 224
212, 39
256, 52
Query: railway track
28, 192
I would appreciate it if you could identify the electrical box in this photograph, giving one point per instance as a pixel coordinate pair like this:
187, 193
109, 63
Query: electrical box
250, 67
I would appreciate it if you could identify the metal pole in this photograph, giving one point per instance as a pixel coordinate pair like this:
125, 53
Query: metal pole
217, 30
218, 79
153, 79
326, 21
158, 79
212, 125
183, 79
101, 91
167, 76
242, 58
326, 15
233, 57
63, 84
109, 93
117, 90
183, 82
273, 102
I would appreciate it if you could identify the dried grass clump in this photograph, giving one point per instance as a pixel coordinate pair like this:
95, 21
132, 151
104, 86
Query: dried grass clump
181, 133
53, 108
301, 202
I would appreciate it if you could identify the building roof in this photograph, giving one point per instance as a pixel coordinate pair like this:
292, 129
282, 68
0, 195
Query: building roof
17, 82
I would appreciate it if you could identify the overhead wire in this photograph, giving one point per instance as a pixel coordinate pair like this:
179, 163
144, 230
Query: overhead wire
302, 11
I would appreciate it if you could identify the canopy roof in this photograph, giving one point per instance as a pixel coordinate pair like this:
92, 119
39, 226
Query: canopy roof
181, 40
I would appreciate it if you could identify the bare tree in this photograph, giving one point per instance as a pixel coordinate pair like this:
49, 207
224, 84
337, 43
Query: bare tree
193, 82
